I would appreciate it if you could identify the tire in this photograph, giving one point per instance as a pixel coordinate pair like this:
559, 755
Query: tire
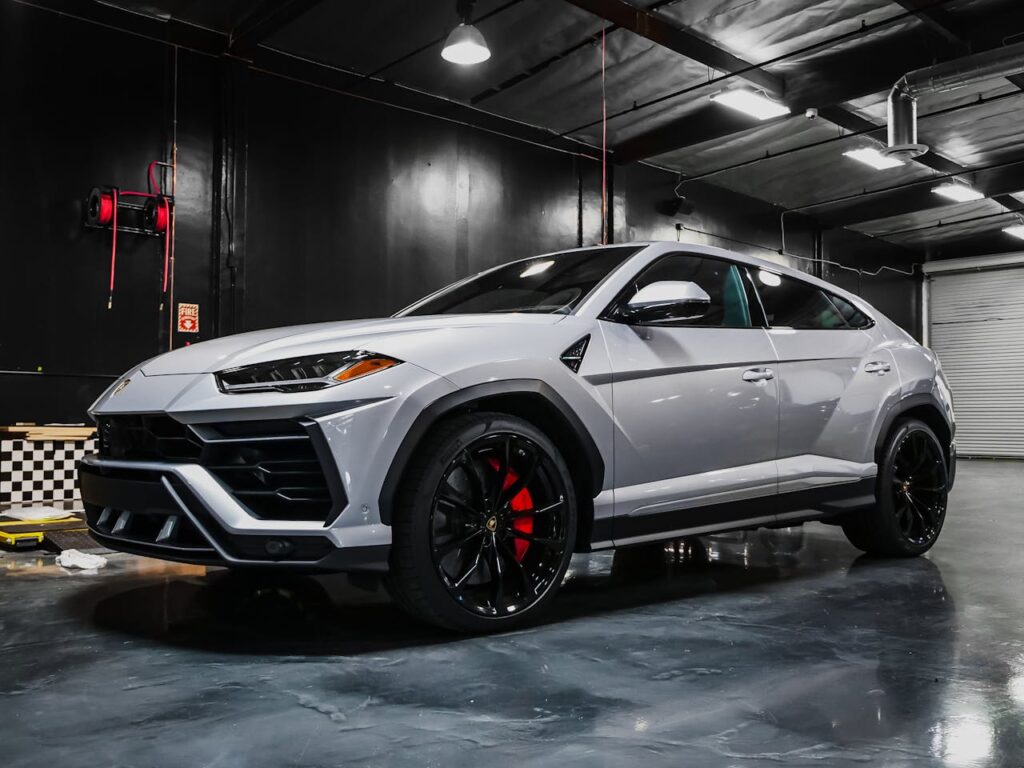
911, 494
484, 524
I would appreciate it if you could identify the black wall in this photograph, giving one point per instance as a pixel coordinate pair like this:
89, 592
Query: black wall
295, 204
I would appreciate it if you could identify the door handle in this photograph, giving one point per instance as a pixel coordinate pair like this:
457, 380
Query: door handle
758, 374
878, 368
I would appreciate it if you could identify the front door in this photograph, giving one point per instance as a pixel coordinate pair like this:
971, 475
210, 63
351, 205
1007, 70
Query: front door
696, 407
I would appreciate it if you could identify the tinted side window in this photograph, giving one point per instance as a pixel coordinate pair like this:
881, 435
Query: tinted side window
545, 284
853, 316
722, 281
792, 303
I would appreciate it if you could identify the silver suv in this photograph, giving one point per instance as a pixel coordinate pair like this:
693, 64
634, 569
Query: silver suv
571, 402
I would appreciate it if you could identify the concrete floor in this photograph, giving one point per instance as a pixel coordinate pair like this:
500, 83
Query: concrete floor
781, 647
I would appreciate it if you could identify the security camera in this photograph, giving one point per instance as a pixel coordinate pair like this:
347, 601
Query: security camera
811, 113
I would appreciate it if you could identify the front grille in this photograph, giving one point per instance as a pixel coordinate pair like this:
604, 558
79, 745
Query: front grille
271, 467
147, 437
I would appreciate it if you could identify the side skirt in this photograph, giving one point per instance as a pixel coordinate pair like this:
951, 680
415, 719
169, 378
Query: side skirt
795, 506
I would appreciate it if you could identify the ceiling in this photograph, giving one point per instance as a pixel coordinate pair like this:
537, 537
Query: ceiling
840, 56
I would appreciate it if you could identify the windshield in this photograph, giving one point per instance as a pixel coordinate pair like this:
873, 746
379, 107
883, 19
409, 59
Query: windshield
553, 284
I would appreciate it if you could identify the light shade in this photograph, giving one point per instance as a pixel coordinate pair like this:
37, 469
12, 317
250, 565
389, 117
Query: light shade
465, 45
751, 103
1017, 230
960, 193
874, 158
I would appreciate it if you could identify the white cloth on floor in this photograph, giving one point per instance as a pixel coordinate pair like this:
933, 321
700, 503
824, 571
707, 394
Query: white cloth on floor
73, 558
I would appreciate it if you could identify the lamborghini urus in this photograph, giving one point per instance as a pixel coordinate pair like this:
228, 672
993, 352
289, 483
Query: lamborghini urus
466, 447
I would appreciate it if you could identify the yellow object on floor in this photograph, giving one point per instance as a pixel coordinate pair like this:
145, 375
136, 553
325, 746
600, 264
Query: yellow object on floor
24, 534
21, 540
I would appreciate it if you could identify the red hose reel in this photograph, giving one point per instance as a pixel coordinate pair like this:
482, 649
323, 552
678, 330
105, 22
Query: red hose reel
151, 217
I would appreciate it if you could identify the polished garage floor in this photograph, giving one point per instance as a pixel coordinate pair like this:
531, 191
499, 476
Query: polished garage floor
770, 648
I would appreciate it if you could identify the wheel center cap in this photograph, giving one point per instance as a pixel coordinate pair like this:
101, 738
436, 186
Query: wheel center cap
491, 524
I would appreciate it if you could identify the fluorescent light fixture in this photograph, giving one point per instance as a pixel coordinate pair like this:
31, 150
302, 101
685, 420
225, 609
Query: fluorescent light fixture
465, 46
751, 103
959, 193
1017, 230
536, 268
874, 158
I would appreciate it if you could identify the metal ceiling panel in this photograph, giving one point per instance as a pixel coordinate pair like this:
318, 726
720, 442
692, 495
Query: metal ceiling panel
758, 142
928, 218
797, 179
940, 225
763, 30
633, 122
985, 134
568, 93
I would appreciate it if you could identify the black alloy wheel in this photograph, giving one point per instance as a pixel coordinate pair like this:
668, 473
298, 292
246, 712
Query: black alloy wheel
919, 488
911, 495
499, 530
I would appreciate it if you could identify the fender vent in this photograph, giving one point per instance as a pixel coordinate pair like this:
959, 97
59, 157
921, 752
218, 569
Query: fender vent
573, 356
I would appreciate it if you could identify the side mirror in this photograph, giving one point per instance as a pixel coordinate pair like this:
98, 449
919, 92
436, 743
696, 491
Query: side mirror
667, 300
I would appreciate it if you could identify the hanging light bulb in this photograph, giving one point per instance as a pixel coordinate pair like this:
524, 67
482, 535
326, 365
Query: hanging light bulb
465, 45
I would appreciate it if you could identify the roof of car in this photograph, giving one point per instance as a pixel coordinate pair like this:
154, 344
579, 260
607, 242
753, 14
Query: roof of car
669, 246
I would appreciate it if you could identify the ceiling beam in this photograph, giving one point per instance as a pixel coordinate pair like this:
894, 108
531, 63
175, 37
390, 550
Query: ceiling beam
938, 20
658, 30
266, 19
996, 183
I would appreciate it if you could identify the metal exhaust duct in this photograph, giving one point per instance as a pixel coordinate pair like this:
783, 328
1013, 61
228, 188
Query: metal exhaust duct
948, 76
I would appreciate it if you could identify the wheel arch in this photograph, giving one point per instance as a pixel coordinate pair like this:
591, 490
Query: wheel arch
925, 408
529, 399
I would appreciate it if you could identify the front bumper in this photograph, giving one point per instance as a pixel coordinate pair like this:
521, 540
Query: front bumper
180, 512
234, 487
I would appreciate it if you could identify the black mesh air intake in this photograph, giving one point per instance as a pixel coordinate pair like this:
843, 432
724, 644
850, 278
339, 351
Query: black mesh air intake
272, 467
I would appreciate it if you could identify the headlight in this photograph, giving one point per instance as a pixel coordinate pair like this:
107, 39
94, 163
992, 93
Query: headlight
303, 374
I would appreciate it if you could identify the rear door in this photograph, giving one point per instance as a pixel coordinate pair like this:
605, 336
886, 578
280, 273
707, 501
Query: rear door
695, 405
834, 377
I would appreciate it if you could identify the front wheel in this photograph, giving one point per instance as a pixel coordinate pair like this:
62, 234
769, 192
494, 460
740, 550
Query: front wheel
484, 524
912, 489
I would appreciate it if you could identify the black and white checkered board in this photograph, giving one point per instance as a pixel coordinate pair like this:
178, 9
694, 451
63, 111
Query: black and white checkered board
40, 470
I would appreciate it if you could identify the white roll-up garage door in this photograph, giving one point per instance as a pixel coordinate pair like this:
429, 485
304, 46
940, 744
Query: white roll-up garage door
976, 326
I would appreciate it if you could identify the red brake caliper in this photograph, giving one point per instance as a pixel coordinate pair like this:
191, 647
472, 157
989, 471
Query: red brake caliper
521, 502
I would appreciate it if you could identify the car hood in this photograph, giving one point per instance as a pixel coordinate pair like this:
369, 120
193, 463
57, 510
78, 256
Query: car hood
418, 340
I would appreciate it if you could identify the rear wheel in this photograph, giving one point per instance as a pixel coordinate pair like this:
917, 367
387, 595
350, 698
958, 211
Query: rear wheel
911, 492
484, 524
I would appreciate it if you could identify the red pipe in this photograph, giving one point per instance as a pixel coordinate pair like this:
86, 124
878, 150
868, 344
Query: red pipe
152, 178
167, 243
113, 252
